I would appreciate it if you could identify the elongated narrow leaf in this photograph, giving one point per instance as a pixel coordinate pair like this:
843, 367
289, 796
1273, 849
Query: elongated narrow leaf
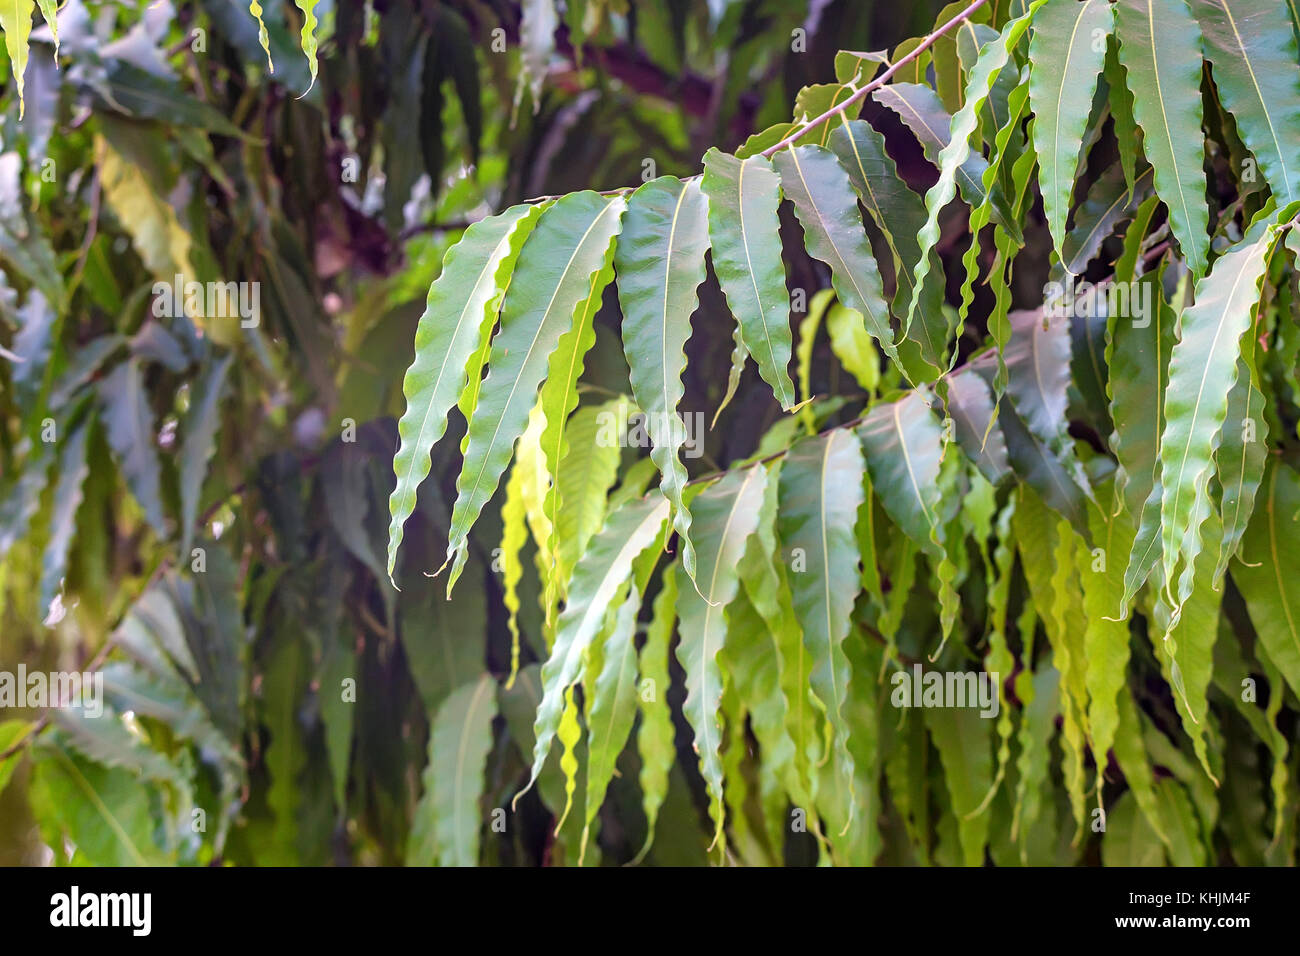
551, 280
904, 445
654, 739
1257, 72
992, 59
821, 491
16, 22
201, 424
613, 706
263, 37
899, 213
726, 514
744, 234
557, 399
1066, 58
457, 322
660, 265
600, 573
129, 423
68, 495
1159, 47
1202, 370
448, 820
1267, 575
818, 185
308, 35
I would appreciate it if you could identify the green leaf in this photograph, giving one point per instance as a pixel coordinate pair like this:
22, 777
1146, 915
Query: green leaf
255, 9
1270, 553
660, 265
68, 495
557, 399
961, 736
1105, 641
1202, 371
1258, 78
1242, 453
16, 21
1159, 47
551, 280
726, 514
308, 8
600, 573
993, 57
744, 234
128, 421
904, 447
1129, 839
448, 820
824, 200
654, 739
852, 346
473, 279
612, 706
899, 213
1066, 55
201, 423
105, 811
820, 492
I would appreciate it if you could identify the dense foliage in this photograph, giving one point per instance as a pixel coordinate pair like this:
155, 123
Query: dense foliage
647, 593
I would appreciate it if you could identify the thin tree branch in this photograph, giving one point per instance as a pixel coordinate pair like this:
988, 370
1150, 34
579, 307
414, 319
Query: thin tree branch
876, 83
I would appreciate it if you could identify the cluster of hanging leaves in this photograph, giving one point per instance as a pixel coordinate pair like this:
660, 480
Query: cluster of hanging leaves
1090, 500
194, 506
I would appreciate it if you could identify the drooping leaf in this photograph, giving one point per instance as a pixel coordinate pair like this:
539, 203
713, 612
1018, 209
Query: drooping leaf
600, 573
660, 265
201, 424
1202, 370
1257, 73
448, 820
818, 185
1066, 57
16, 22
473, 278
551, 279
725, 515
1265, 573
821, 491
743, 232
129, 425
1159, 47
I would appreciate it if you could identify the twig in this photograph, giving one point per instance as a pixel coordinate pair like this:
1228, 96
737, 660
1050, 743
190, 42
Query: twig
876, 83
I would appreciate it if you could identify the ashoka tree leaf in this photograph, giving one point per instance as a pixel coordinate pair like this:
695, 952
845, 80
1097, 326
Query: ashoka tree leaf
1066, 57
826, 205
1257, 72
1202, 371
551, 280
457, 321
1266, 575
744, 232
601, 572
128, 421
660, 265
726, 514
1159, 47
821, 489
448, 820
